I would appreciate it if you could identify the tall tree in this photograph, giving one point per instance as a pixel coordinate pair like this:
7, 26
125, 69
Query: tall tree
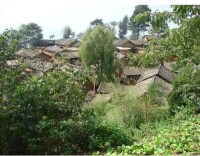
123, 27
114, 24
135, 26
97, 22
67, 32
97, 51
30, 34
156, 27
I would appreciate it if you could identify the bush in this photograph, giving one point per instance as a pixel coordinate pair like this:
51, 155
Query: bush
130, 111
40, 115
46, 116
186, 91
179, 135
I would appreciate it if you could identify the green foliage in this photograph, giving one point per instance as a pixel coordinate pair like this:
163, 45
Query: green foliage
30, 34
158, 21
97, 22
8, 44
129, 111
180, 44
186, 90
9, 80
36, 113
97, 51
175, 136
137, 26
67, 32
123, 27
46, 116
181, 12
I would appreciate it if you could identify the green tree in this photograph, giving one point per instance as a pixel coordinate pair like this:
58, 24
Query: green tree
97, 51
179, 43
97, 22
51, 37
135, 26
182, 45
40, 114
67, 32
113, 26
9, 43
123, 27
30, 34
46, 116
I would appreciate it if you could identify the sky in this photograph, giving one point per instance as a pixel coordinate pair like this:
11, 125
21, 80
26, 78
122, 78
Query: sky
54, 15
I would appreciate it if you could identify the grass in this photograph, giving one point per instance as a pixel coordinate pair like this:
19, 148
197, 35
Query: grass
128, 110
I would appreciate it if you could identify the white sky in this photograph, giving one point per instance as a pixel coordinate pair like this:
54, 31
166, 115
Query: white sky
53, 15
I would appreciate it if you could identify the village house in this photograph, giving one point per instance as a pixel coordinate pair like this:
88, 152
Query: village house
130, 75
11, 63
27, 53
160, 75
129, 46
37, 65
55, 50
67, 42
46, 56
140, 45
45, 43
72, 57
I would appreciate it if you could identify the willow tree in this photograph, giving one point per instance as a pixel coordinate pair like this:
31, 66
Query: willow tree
97, 51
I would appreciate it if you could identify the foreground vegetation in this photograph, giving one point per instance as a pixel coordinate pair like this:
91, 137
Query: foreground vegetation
48, 114
179, 135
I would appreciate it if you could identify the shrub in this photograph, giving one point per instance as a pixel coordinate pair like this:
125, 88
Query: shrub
186, 91
40, 115
170, 137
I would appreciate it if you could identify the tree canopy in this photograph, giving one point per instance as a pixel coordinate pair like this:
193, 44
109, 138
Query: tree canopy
97, 22
136, 26
180, 45
9, 43
97, 51
123, 27
30, 34
67, 32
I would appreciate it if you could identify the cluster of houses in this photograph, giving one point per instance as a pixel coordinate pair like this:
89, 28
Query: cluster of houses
141, 78
47, 56
63, 53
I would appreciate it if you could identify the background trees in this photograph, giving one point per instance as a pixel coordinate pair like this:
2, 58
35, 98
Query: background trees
97, 22
30, 34
67, 32
123, 27
97, 51
138, 27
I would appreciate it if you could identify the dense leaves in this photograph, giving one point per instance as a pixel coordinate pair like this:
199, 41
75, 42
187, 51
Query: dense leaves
30, 34
137, 26
46, 116
171, 138
38, 105
186, 90
97, 51
123, 27
9, 43
67, 32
